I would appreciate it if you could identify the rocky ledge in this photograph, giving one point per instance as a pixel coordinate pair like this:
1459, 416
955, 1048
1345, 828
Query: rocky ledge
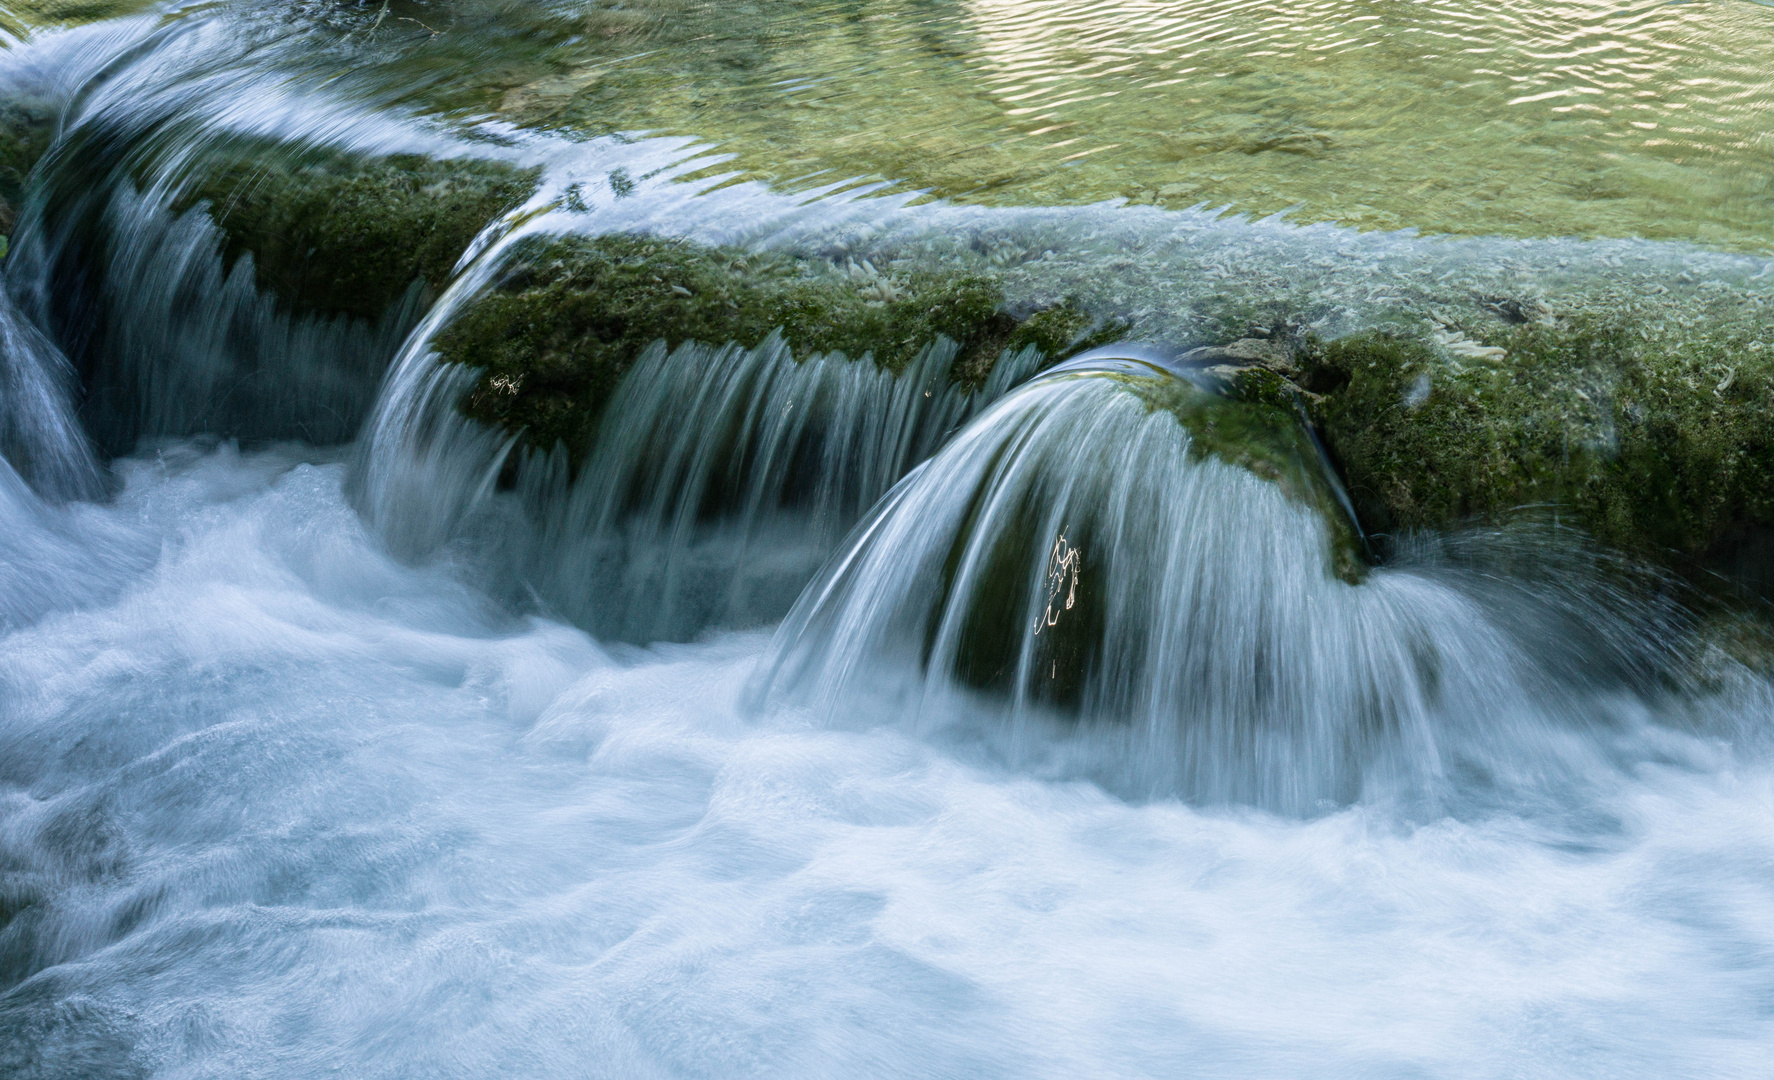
1658, 445
570, 315
1649, 434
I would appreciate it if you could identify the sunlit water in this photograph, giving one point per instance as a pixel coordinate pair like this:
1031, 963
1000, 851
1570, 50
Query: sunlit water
307, 767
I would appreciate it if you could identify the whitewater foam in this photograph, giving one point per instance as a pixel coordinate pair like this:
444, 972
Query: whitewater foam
285, 806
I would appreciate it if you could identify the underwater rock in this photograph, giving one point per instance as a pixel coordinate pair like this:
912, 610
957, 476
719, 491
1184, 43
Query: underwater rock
569, 316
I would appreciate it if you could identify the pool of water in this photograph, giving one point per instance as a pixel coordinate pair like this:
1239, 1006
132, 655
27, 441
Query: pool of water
1520, 118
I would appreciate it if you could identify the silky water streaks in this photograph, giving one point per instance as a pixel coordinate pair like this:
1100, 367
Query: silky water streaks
1096, 739
1119, 573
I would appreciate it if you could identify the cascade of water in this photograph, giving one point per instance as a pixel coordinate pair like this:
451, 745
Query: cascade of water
168, 339
725, 477
44, 459
721, 477
1086, 554
39, 437
423, 471
52, 551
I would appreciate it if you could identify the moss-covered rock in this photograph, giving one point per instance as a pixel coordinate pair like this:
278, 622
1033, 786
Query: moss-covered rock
1259, 426
341, 235
570, 315
344, 248
26, 128
1658, 445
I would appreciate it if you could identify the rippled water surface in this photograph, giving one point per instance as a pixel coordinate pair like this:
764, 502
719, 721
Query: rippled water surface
1522, 117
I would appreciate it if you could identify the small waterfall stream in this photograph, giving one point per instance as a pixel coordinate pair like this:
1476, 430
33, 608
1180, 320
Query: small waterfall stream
722, 480
41, 444
168, 336
820, 715
727, 476
1086, 557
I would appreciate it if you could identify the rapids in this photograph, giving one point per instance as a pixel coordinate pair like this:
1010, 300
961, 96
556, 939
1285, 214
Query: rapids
817, 719
278, 805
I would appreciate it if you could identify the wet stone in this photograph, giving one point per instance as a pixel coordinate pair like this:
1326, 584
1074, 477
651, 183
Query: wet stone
1656, 447
569, 316
348, 236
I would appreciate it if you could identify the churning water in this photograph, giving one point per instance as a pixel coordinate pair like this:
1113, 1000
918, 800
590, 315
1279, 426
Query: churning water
822, 722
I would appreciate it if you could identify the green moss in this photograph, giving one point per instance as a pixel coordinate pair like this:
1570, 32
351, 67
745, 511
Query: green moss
1264, 386
557, 333
1656, 443
344, 235
1259, 428
25, 132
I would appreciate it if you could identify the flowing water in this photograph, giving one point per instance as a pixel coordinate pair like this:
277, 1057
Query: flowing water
818, 719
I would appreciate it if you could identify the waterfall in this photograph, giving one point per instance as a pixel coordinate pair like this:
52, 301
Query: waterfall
40, 440
720, 479
168, 338
1087, 567
649, 645
725, 477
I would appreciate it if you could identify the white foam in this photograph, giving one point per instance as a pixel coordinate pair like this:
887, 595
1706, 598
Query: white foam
285, 807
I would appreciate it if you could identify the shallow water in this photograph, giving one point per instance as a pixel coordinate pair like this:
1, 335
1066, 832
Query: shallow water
1523, 118
310, 762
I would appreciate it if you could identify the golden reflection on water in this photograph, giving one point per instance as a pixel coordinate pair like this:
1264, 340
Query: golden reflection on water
19, 16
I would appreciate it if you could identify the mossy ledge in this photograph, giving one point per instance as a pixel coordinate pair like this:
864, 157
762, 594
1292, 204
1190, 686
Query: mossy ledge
569, 316
26, 128
1657, 445
1256, 425
339, 235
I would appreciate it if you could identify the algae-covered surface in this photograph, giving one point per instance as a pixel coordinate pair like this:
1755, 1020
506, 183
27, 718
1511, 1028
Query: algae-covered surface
1521, 118
569, 316
343, 234
1654, 443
